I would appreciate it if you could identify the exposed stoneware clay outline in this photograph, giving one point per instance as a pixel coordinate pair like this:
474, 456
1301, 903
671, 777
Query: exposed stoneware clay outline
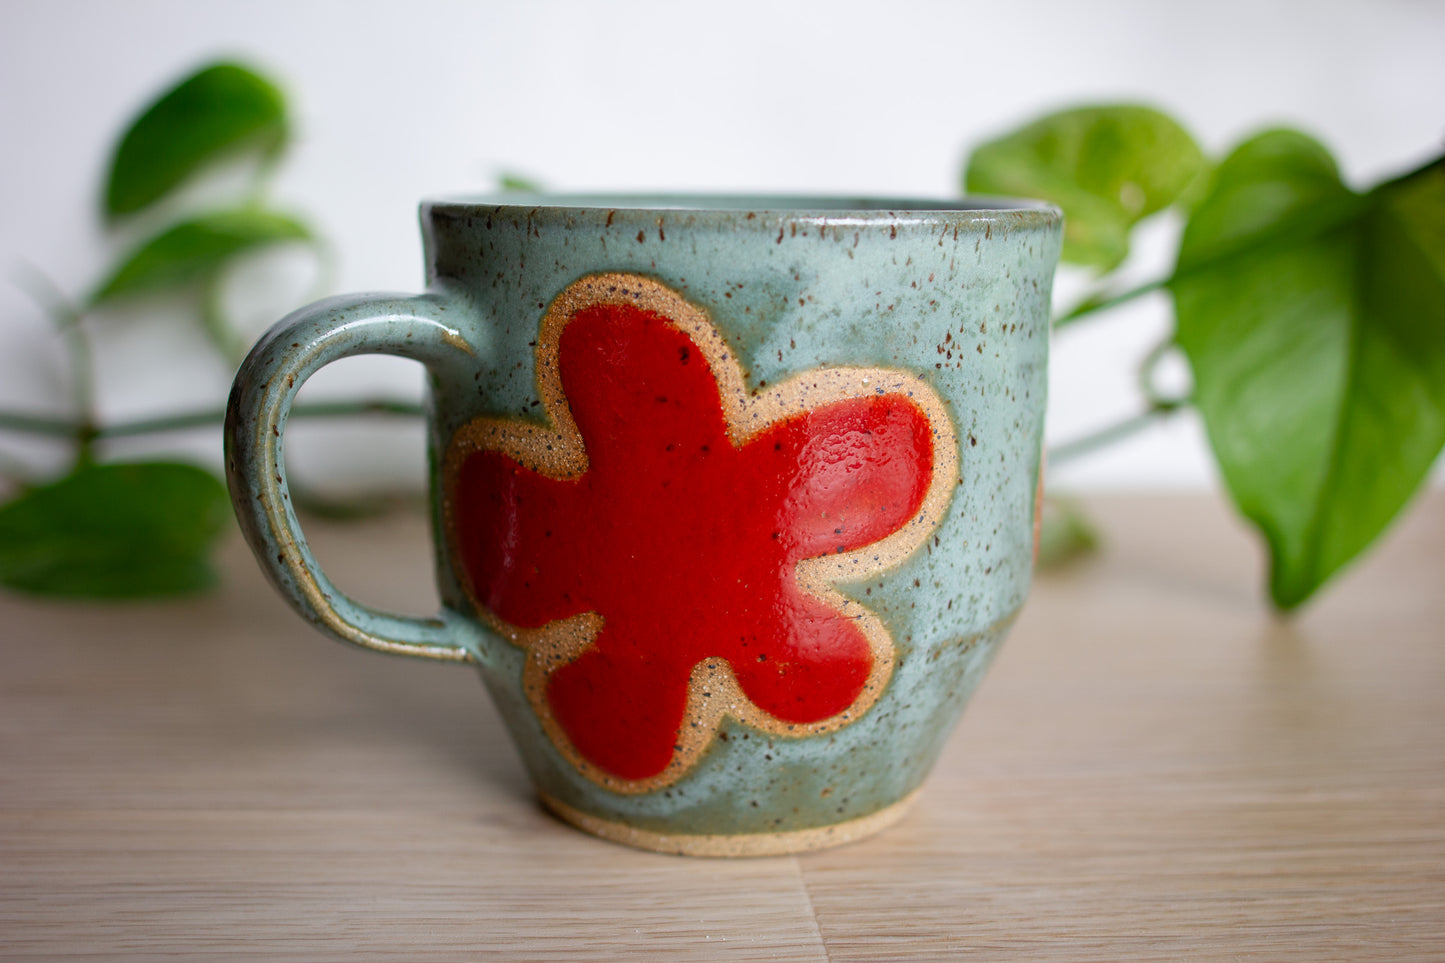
741, 844
558, 452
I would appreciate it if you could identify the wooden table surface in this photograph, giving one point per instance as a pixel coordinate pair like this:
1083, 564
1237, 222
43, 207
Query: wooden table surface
1155, 768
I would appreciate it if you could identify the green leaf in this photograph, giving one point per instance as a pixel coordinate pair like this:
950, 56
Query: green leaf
1314, 321
518, 184
1106, 167
216, 111
196, 250
1065, 534
114, 531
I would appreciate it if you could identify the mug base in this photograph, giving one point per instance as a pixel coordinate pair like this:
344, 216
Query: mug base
742, 844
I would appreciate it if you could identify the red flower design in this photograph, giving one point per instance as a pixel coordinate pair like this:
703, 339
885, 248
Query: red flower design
665, 553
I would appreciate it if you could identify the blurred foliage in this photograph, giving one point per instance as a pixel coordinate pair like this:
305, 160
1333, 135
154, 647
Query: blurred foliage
1065, 534
1312, 316
197, 250
219, 110
511, 182
115, 531
1106, 167
146, 529
1318, 356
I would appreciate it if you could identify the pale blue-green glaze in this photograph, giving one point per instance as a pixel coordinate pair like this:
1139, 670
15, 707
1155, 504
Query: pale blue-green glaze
957, 295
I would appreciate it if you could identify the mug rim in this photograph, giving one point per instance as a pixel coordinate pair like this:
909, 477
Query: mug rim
854, 208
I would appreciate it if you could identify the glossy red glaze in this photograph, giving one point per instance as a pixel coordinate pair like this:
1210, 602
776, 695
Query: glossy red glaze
685, 544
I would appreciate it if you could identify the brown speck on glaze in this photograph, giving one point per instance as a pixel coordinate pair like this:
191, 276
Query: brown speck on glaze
730, 788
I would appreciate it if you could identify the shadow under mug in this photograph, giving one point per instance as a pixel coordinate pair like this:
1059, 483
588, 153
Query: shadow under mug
733, 499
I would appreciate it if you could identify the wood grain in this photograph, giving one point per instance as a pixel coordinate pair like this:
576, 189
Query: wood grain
1156, 768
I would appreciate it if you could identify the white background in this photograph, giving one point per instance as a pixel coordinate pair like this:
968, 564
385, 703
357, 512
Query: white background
395, 101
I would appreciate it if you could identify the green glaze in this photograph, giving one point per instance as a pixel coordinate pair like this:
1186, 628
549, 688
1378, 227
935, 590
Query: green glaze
955, 294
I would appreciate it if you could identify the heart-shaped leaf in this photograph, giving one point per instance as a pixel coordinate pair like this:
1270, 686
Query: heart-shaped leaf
1106, 167
1314, 321
115, 531
1065, 535
216, 111
513, 183
195, 250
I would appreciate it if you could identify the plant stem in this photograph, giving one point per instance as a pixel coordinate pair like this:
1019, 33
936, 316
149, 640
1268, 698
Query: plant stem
350, 508
38, 424
321, 409
1159, 405
326, 267
265, 172
1310, 223
69, 321
223, 336
65, 428
83, 383
1090, 306
1147, 387
1071, 450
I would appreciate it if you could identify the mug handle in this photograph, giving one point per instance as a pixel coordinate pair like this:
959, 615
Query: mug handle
417, 327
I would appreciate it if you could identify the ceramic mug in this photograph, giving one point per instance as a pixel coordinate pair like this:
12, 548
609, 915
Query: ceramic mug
733, 498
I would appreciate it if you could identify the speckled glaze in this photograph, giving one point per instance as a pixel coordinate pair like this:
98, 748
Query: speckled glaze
951, 297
